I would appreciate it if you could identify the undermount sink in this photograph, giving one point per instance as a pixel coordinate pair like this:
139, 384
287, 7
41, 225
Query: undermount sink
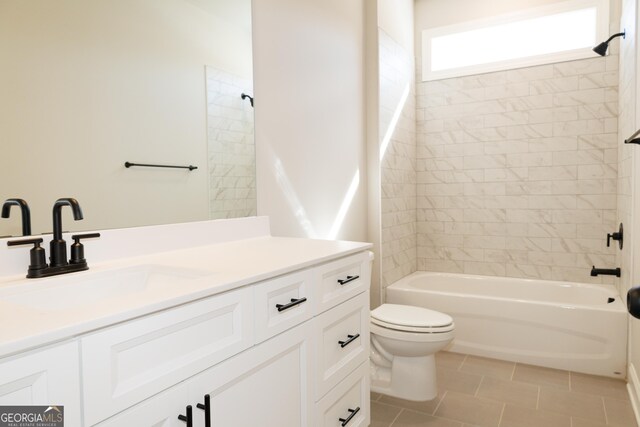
80, 289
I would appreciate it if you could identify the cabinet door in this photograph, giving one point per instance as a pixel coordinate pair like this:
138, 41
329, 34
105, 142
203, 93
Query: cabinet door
44, 377
267, 386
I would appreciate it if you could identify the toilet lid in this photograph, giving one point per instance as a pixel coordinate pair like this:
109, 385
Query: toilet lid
411, 316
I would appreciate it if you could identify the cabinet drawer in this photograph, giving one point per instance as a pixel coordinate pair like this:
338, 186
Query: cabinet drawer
343, 342
344, 400
127, 363
44, 377
283, 303
342, 279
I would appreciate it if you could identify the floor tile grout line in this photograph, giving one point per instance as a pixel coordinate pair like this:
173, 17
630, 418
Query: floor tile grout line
513, 372
479, 385
604, 408
504, 406
438, 405
570, 382
397, 416
462, 363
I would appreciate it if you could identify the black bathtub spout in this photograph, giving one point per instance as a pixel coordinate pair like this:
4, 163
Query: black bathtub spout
605, 271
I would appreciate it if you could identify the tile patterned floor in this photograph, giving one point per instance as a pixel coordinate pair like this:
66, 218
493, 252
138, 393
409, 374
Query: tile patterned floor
476, 391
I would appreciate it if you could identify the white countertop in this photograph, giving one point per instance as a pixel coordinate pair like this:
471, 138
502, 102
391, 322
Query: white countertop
217, 267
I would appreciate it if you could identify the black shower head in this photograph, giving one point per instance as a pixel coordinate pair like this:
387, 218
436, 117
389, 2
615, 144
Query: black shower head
601, 49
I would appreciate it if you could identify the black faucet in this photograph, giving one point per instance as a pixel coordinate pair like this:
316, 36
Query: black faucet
58, 247
605, 271
26, 213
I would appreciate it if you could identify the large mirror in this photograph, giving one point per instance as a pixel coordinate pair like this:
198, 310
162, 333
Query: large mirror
86, 86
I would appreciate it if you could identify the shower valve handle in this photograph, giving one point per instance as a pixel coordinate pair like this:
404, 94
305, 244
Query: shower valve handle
618, 236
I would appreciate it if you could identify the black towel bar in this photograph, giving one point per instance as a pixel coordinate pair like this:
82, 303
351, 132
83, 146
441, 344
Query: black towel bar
129, 164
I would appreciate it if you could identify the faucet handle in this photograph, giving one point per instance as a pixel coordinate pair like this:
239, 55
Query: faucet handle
37, 255
77, 237
77, 248
35, 241
617, 235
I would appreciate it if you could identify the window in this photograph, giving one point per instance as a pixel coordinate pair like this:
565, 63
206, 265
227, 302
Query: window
560, 32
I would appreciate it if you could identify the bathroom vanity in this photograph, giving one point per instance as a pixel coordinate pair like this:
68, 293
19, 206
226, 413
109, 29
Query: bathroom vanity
231, 328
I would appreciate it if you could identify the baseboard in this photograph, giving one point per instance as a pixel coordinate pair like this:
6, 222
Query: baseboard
633, 387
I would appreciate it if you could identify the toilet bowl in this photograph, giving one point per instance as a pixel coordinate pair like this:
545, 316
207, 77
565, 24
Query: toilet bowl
404, 340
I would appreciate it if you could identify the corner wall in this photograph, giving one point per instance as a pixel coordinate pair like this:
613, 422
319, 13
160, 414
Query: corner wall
310, 117
395, 147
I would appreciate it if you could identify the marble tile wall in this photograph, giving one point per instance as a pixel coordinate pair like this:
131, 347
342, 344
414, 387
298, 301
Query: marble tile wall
517, 171
398, 160
230, 146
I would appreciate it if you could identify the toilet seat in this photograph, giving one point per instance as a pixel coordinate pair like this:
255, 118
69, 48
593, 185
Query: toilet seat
411, 319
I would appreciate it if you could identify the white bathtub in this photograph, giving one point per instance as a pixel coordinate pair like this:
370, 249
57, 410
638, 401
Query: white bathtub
559, 325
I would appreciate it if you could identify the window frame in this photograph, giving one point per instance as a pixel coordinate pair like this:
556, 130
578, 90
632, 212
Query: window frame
602, 33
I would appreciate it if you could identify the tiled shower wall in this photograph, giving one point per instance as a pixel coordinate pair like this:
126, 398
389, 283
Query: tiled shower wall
516, 171
230, 146
398, 173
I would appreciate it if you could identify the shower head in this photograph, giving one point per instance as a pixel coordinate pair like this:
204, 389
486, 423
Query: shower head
245, 96
601, 49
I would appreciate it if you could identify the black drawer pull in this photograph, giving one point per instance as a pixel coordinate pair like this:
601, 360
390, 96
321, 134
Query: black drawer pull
352, 338
187, 418
348, 279
293, 303
353, 413
207, 410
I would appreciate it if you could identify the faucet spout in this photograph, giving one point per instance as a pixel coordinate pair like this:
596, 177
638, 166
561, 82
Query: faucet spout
57, 215
24, 209
605, 271
58, 247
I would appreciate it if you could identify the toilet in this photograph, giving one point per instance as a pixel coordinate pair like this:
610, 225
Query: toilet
404, 341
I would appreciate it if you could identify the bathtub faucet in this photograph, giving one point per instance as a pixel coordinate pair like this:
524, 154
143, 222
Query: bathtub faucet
605, 271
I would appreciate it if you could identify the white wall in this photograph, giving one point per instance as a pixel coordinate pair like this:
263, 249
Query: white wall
395, 17
88, 85
310, 117
397, 140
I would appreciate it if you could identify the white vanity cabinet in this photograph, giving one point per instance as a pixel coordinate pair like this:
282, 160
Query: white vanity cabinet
43, 377
288, 351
